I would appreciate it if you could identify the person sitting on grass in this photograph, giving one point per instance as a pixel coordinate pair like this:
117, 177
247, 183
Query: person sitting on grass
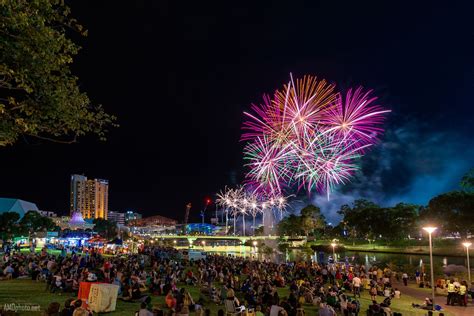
374, 309
326, 310
81, 312
8, 272
275, 309
53, 309
170, 300
143, 310
68, 308
397, 293
427, 304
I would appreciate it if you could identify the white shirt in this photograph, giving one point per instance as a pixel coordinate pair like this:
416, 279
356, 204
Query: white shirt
356, 281
144, 312
275, 309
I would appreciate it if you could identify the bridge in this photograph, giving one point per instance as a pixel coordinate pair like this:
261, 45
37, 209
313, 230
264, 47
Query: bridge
242, 239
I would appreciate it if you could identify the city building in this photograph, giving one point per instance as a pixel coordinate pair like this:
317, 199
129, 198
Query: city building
16, 205
74, 222
117, 217
131, 215
90, 197
48, 213
153, 225
156, 220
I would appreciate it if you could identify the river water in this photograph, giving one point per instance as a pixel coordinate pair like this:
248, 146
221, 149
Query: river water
400, 261
372, 258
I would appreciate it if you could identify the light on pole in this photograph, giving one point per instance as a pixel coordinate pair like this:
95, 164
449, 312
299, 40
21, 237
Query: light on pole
333, 245
467, 245
430, 230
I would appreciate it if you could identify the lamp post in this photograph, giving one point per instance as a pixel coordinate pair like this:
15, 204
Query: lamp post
467, 245
333, 245
430, 230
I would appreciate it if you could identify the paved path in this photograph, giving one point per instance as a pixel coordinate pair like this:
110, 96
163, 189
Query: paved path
440, 300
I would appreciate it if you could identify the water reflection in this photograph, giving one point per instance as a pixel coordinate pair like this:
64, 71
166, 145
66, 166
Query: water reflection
369, 259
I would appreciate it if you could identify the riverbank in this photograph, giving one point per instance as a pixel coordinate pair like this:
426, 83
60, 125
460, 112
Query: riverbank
444, 250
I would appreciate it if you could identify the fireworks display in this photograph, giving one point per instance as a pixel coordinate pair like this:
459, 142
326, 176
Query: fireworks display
309, 136
241, 202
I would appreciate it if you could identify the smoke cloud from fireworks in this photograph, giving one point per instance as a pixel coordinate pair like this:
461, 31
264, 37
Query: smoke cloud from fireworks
412, 164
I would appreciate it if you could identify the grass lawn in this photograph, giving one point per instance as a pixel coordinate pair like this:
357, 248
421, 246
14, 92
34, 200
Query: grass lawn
32, 292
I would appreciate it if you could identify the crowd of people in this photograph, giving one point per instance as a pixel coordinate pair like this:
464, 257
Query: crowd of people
230, 283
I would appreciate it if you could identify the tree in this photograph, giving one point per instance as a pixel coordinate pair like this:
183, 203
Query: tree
403, 220
290, 226
105, 228
452, 212
312, 220
362, 219
366, 219
259, 231
34, 222
467, 181
8, 224
39, 96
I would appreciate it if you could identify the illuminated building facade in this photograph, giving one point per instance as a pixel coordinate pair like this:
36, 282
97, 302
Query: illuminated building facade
90, 197
116, 217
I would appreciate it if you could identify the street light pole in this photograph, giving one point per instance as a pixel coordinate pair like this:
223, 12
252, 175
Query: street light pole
430, 230
333, 252
467, 245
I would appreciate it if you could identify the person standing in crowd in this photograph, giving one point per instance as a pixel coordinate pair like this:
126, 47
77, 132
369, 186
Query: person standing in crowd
356, 282
463, 294
418, 276
405, 278
451, 292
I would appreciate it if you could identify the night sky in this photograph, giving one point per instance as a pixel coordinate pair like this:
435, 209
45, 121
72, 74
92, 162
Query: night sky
179, 75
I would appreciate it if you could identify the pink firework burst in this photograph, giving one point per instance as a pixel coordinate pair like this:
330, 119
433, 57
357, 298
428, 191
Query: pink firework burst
327, 161
355, 117
269, 164
308, 136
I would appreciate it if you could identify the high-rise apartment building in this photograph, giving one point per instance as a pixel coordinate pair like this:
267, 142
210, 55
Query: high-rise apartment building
116, 217
90, 197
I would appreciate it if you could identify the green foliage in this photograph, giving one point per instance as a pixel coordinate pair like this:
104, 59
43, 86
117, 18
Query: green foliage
367, 220
8, 224
452, 212
35, 222
39, 96
32, 222
290, 226
310, 222
467, 181
259, 231
105, 228
8, 219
